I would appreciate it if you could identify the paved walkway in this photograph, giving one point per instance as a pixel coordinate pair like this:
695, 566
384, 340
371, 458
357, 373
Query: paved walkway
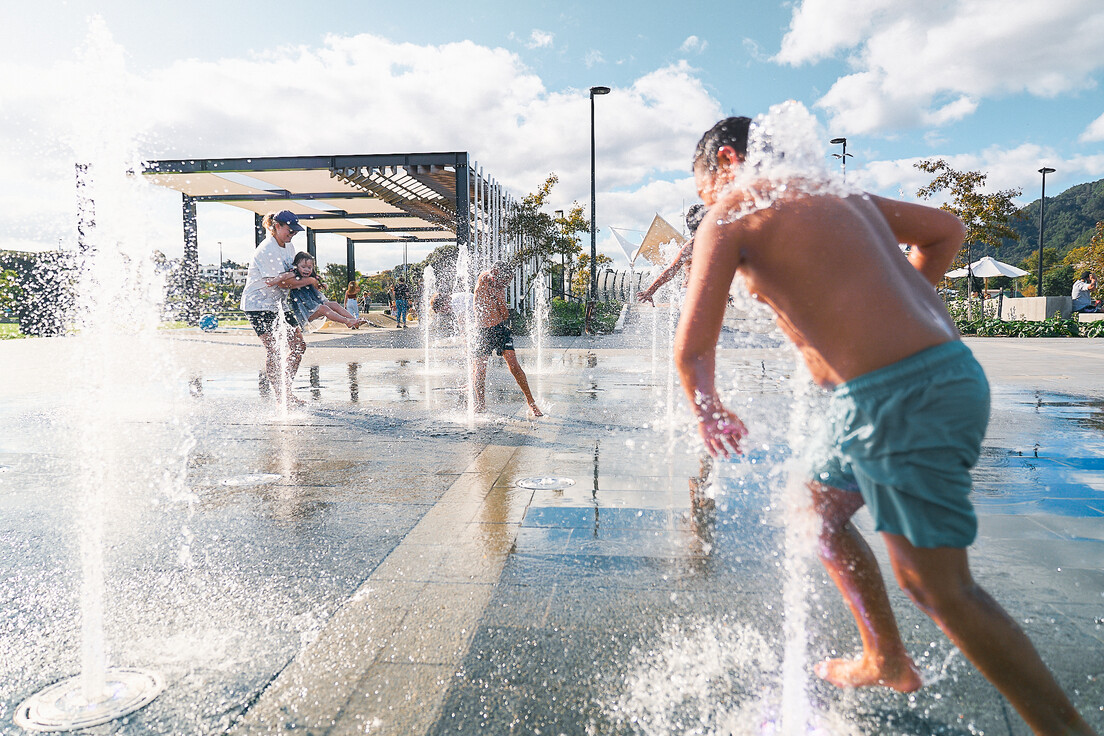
371, 564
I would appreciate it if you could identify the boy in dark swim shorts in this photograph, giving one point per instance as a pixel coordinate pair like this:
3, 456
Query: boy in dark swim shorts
495, 339
493, 320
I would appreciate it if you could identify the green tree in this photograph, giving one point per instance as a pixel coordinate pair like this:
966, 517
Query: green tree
10, 290
1050, 260
988, 217
1058, 281
335, 279
376, 288
580, 282
554, 241
1089, 257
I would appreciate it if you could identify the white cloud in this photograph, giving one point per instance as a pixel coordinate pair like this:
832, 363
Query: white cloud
1095, 131
753, 50
820, 28
352, 94
539, 39
593, 57
1006, 168
693, 44
920, 64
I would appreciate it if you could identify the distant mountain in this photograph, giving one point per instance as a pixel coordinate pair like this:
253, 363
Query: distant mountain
1071, 218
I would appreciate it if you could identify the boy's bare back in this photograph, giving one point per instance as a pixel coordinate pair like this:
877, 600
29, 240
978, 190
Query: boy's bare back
832, 271
490, 299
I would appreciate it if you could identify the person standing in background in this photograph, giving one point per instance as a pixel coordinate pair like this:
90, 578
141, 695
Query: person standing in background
400, 295
351, 294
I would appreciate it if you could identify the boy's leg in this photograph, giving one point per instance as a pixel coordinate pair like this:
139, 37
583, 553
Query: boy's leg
853, 568
479, 381
939, 582
522, 381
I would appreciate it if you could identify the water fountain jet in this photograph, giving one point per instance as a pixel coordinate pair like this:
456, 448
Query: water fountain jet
118, 381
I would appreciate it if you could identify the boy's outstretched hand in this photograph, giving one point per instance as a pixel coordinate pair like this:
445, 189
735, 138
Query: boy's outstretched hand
722, 432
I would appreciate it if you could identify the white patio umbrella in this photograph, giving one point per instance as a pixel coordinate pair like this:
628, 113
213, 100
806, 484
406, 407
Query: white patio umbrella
986, 267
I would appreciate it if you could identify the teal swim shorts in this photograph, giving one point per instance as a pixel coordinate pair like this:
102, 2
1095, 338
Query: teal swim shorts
905, 437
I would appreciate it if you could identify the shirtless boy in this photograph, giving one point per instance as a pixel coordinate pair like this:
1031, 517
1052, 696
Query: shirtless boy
492, 317
908, 413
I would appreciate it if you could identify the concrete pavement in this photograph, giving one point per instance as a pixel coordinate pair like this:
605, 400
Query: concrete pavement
387, 574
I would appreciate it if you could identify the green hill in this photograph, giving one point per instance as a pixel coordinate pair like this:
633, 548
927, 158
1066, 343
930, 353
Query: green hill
1071, 218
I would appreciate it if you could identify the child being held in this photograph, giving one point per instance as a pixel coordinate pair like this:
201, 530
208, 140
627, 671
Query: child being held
308, 303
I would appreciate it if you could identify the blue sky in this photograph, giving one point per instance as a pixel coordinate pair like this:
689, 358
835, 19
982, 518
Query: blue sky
1002, 87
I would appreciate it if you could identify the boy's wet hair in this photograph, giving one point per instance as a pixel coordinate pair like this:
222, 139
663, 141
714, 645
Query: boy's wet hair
728, 132
694, 217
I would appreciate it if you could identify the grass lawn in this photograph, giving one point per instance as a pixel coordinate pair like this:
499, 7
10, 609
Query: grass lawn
10, 331
178, 325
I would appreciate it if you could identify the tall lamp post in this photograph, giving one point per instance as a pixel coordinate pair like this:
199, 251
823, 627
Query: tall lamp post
842, 156
563, 257
1042, 219
593, 220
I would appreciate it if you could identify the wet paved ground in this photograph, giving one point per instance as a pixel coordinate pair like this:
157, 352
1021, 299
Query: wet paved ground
370, 565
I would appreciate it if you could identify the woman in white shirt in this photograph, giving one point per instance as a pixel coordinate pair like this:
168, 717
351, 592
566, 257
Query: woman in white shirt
264, 300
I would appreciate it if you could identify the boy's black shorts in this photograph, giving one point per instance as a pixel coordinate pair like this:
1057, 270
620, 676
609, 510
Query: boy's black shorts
495, 339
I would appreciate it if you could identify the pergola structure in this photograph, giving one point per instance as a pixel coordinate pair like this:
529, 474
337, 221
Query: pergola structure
369, 199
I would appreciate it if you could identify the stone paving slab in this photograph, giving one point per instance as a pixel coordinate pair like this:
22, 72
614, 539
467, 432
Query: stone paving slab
396, 580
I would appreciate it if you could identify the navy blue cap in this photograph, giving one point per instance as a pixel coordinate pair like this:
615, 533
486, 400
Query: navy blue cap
287, 217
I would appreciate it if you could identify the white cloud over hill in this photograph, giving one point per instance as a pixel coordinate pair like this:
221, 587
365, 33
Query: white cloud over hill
928, 63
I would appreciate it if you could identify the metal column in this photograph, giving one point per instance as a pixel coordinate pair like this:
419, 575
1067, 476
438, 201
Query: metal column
350, 259
463, 202
259, 232
312, 247
189, 264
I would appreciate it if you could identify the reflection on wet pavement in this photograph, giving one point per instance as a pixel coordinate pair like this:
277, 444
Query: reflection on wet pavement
1044, 453
375, 540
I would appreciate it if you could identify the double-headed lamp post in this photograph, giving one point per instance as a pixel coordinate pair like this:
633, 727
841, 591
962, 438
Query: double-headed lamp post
842, 156
591, 293
1042, 212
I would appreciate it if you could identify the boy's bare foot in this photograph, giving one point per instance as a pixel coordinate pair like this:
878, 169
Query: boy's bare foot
534, 411
902, 676
293, 400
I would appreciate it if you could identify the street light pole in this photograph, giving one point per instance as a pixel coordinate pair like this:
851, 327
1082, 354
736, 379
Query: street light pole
1042, 213
221, 279
563, 256
593, 220
842, 156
